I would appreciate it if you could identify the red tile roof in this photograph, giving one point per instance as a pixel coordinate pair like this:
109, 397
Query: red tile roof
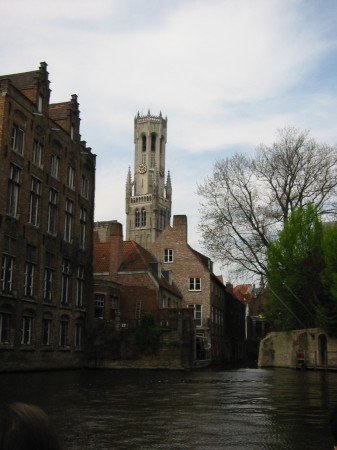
101, 257
243, 292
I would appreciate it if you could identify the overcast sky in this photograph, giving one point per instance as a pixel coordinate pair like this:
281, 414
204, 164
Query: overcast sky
226, 73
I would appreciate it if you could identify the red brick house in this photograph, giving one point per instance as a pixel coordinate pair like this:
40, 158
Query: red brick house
215, 309
133, 274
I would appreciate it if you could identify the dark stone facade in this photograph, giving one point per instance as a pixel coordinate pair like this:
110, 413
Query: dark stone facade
47, 182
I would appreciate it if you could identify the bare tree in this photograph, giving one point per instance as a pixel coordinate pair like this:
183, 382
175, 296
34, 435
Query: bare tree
247, 199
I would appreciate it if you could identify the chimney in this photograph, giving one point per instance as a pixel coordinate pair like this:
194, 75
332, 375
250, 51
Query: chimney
180, 224
229, 287
116, 248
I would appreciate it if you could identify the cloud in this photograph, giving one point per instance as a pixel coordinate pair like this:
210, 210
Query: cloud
227, 73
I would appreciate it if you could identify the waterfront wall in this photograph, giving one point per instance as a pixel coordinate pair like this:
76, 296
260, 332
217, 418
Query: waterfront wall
311, 348
141, 347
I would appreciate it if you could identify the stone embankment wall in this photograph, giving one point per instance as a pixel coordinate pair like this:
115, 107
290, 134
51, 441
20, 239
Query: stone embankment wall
311, 348
142, 347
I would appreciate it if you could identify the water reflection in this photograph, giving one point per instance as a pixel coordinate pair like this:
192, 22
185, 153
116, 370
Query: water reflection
213, 409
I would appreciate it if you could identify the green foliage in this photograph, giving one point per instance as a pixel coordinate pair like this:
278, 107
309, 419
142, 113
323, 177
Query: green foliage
148, 336
294, 264
327, 309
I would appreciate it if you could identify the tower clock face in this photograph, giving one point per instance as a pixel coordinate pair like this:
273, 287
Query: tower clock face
142, 168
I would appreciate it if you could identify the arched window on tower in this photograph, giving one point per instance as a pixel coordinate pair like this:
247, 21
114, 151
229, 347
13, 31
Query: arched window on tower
143, 149
143, 218
137, 218
153, 149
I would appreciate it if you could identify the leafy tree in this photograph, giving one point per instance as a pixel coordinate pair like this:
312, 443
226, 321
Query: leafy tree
247, 200
327, 309
294, 264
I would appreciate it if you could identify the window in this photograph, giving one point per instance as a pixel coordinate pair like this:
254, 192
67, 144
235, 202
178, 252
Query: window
85, 187
52, 211
71, 177
99, 306
197, 314
63, 338
194, 284
68, 220
7, 266
113, 307
144, 148
18, 136
13, 190
29, 279
37, 153
143, 217
46, 332
80, 287
34, 201
78, 335
26, 330
55, 166
83, 227
137, 218
65, 288
5, 328
138, 310
40, 103
48, 285
168, 255
153, 150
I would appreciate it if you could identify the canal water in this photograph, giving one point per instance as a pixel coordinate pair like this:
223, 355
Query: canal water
207, 409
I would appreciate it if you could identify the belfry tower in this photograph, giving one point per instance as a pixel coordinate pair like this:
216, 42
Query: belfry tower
148, 198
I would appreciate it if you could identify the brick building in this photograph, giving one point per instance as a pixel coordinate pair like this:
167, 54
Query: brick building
138, 283
47, 181
218, 315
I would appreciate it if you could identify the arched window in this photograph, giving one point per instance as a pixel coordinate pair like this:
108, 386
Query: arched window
137, 218
153, 149
143, 149
143, 218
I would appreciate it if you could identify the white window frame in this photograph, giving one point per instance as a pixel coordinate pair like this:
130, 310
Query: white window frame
197, 314
168, 255
65, 288
13, 190
37, 153
18, 139
63, 337
55, 166
7, 267
85, 187
52, 211
26, 330
29, 279
99, 305
48, 285
71, 177
80, 286
83, 227
46, 331
194, 284
68, 220
34, 202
